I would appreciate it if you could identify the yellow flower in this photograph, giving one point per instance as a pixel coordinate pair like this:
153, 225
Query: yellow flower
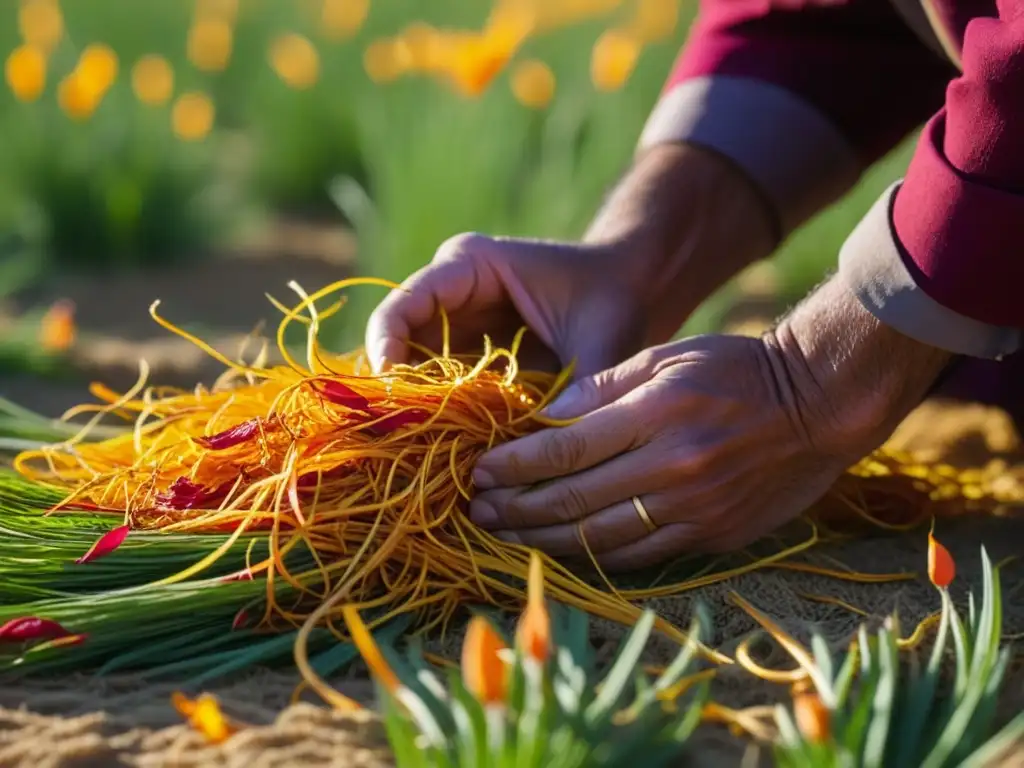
40, 23
511, 22
204, 715
533, 634
295, 60
484, 671
192, 116
475, 65
385, 60
533, 84
421, 48
368, 649
553, 15
25, 72
614, 58
77, 96
209, 44
654, 19
153, 80
57, 330
225, 10
343, 18
97, 67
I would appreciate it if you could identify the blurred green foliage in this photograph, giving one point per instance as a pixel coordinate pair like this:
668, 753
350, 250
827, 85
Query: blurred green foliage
409, 163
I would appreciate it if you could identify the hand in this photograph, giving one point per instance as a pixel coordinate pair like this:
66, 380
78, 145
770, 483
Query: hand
723, 438
572, 297
665, 240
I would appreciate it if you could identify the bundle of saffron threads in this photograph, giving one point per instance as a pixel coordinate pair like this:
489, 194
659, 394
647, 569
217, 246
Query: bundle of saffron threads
326, 486
351, 487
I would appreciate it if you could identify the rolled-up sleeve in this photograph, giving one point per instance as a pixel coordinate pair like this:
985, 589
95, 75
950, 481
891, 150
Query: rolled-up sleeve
801, 95
941, 256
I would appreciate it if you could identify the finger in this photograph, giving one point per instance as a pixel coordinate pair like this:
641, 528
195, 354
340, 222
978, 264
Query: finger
450, 281
412, 306
601, 532
572, 498
593, 391
561, 451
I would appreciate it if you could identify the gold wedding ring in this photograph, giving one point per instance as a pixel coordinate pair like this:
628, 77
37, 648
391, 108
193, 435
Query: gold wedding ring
644, 516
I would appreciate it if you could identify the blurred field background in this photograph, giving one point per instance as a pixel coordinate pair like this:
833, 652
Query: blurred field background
144, 141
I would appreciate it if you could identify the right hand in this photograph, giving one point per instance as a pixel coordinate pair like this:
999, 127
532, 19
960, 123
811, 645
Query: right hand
571, 296
680, 224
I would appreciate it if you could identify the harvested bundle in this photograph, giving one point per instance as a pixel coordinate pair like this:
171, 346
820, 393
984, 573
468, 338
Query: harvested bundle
284, 494
342, 487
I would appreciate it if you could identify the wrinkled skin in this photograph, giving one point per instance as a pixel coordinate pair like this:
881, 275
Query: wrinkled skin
722, 438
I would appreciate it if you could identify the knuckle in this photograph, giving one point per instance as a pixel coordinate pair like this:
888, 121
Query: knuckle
589, 388
569, 504
564, 449
461, 246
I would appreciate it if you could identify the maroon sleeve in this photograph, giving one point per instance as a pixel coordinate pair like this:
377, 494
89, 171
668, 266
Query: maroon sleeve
856, 61
959, 215
802, 95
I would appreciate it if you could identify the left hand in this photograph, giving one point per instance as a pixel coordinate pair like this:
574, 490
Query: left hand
723, 438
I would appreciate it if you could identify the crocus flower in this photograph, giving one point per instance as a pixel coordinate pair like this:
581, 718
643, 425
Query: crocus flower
941, 566
812, 716
533, 635
484, 671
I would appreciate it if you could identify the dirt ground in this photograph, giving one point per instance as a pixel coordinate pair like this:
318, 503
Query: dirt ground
111, 722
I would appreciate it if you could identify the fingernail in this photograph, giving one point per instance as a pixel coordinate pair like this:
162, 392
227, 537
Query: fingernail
483, 480
483, 514
564, 405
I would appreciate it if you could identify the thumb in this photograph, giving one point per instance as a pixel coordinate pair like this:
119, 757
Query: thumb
588, 393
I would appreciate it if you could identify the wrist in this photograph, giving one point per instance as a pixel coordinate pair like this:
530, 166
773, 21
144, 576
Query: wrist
850, 379
682, 222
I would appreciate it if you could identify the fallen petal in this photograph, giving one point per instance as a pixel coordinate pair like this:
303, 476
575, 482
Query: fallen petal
397, 420
229, 438
28, 628
205, 716
340, 394
107, 543
183, 494
240, 620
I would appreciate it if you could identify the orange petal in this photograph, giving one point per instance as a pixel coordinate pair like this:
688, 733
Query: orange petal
205, 716
476, 64
369, 651
941, 566
483, 670
533, 635
812, 716
613, 59
57, 330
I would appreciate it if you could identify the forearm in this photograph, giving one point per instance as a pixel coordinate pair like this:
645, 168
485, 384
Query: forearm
685, 220
938, 256
855, 376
